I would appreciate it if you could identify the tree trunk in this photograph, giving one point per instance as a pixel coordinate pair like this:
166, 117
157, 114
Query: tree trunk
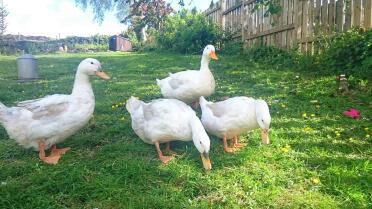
143, 34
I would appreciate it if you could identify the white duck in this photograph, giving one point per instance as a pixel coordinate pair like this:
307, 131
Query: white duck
189, 85
227, 119
44, 122
165, 120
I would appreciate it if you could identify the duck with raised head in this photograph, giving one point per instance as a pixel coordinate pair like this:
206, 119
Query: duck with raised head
229, 118
189, 85
166, 120
42, 123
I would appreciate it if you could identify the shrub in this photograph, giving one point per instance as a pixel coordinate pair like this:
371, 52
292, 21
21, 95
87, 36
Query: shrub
270, 55
187, 32
91, 47
349, 53
133, 37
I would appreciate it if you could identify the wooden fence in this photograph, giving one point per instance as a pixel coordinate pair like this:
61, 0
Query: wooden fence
300, 22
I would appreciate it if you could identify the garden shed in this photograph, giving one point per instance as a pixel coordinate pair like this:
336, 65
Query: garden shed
118, 43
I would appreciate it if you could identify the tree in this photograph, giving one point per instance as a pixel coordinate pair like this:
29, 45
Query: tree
3, 24
141, 13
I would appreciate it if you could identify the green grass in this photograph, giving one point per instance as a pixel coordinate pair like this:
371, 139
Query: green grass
110, 167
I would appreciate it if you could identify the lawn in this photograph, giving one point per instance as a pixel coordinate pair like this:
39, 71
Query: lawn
317, 158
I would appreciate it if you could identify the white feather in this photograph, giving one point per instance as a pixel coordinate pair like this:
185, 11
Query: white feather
53, 118
234, 116
189, 85
165, 120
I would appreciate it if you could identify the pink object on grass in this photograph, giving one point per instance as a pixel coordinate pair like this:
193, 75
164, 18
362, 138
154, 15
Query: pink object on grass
353, 113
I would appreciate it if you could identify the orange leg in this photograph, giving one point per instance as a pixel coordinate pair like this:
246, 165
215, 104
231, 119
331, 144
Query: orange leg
54, 151
236, 144
164, 159
225, 147
169, 150
53, 159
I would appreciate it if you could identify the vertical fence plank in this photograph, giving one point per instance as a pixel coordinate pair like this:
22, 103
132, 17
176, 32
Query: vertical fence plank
255, 15
285, 22
347, 11
356, 10
290, 11
290, 21
243, 18
367, 23
317, 17
324, 11
309, 17
331, 15
280, 23
304, 23
298, 21
261, 19
339, 15
311, 26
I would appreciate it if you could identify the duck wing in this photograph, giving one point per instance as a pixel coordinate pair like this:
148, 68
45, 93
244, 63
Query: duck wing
47, 107
181, 78
219, 109
231, 107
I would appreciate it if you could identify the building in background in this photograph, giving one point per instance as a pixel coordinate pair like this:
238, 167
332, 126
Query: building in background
118, 43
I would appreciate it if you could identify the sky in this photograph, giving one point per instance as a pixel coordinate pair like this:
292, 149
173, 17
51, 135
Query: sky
61, 18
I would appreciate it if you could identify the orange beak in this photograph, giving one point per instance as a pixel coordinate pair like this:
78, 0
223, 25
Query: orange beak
206, 162
102, 75
213, 55
265, 136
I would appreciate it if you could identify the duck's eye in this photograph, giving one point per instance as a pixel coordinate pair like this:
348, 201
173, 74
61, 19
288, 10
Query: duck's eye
91, 63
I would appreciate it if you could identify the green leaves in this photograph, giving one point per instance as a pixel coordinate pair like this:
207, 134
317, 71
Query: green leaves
187, 32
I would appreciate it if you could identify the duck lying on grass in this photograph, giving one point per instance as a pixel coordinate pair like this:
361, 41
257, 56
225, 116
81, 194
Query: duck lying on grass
44, 122
165, 120
189, 85
229, 118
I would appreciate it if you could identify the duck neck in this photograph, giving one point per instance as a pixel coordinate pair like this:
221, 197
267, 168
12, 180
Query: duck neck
199, 135
82, 85
204, 64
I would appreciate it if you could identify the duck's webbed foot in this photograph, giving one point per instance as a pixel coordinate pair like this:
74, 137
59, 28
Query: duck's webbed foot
163, 158
54, 151
236, 144
52, 159
225, 146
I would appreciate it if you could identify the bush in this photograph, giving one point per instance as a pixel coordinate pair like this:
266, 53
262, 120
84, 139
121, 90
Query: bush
271, 55
133, 37
349, 53
89, 47
231, 47
187, 32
